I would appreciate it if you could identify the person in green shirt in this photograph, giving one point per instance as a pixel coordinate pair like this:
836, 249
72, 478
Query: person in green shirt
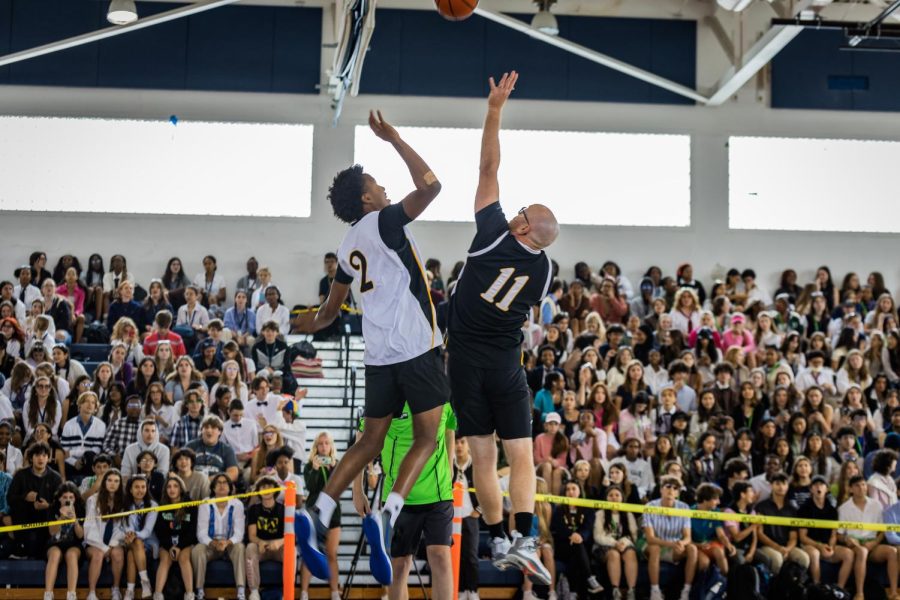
428, 511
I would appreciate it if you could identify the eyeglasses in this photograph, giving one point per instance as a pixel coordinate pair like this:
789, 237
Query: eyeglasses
671, 486
42, 386
524, 216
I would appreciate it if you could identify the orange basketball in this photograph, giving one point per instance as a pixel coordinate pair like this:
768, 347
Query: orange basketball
456, 10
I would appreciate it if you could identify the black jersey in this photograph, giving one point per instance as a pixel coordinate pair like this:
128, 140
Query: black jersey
501, 281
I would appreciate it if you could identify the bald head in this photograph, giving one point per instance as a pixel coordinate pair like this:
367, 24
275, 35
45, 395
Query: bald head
535, 226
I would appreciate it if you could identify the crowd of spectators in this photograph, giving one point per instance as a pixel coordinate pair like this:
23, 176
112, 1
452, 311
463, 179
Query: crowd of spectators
195, 400
718, 396
669, 393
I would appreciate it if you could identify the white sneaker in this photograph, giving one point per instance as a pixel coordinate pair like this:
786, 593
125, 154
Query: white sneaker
304, 595
656, 594
617, 594
594, 586
335, 596
189, 596
552, 595
685, 593
115, 594
529, 596
48, 595
463, 596
254, 595
158, 596
146, 591
71, 595
631, 594
200, 595
129, 594
474, 596
91, 596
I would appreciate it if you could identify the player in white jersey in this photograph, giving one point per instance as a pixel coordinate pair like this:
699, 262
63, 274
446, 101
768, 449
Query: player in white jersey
403, 346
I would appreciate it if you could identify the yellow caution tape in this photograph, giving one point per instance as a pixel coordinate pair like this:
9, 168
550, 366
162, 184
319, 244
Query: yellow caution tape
713, 515
138, 511
344, 308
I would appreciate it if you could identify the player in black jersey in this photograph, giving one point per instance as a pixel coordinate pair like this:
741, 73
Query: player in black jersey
505, 275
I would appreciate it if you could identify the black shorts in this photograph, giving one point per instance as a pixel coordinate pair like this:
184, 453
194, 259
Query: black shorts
431, 522
489, 400
419, 381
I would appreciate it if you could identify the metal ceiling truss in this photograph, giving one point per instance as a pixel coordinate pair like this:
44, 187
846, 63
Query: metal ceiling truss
357, 31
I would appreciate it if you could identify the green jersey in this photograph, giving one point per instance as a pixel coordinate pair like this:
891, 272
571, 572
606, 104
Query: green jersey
435, 483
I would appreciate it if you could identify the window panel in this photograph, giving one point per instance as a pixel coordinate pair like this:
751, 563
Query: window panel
803, 184
155, 167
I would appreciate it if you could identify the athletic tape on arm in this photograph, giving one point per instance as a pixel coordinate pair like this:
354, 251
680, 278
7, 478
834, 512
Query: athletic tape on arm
138, 511
713, 515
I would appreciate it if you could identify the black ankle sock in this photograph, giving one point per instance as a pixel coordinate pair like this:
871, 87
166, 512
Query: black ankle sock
496, 530
523, 523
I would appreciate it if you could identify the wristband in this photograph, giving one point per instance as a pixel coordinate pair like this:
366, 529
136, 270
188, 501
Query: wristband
429, 178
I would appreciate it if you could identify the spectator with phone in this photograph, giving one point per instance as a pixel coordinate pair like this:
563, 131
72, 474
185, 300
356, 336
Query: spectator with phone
30, 493
65, 540
322, 461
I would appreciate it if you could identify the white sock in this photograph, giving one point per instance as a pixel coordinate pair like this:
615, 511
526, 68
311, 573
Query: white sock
687, 587
145, 579
655, 588
325, 504
393, 506
130, 587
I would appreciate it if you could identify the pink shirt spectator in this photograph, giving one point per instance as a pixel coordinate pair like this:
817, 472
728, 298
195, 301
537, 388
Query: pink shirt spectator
543, 443
77, 297
640, 427
583, 448
745, 341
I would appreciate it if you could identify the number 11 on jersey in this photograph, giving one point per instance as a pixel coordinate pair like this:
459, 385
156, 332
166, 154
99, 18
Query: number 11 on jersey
518, 283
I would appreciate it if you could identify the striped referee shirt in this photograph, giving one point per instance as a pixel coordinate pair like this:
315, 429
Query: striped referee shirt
669, 529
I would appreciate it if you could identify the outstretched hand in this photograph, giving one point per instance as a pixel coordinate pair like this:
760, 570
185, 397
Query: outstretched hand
501, 91
382, 128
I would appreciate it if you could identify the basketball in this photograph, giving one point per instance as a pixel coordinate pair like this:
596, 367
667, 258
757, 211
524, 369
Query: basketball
456, 10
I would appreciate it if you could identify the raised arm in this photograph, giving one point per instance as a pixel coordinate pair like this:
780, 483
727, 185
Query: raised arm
427, 185
488, 190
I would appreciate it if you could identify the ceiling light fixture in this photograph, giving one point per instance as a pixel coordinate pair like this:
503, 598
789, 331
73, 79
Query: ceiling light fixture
544, 21
122, 12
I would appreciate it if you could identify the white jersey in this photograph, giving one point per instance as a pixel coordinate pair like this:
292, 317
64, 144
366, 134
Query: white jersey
399, 321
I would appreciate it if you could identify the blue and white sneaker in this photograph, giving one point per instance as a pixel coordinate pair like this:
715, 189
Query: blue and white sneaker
378, 530
310, 539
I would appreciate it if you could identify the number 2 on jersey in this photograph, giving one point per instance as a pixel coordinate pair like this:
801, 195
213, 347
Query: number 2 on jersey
358, 262
518, 283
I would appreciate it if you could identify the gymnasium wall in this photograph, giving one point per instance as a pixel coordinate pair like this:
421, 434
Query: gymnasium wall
293, 247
